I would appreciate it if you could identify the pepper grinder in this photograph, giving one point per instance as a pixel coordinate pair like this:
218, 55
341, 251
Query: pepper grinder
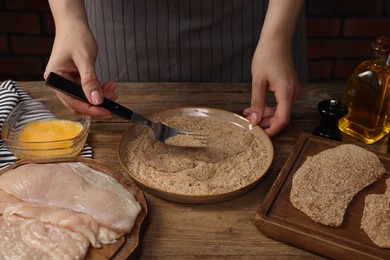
331, 110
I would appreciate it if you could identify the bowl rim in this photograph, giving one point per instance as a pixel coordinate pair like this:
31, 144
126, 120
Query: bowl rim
85, 122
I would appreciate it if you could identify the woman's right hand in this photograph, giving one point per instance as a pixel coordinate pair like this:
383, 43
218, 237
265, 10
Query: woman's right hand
74, 55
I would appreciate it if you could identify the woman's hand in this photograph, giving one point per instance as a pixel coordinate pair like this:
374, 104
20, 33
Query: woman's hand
273, 69
74, 55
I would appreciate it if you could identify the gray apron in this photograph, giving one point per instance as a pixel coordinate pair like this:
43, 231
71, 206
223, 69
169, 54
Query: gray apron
182, 40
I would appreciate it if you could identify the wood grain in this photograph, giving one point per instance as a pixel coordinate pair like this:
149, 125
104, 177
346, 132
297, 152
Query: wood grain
278, 218
211, 231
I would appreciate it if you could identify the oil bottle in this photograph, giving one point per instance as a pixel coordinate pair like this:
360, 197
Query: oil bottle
367, 96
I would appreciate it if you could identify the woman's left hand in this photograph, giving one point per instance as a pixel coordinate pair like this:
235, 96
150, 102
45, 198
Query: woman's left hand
273, 71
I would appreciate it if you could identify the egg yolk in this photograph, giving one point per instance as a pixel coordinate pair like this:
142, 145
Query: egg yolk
50, 137
49, 131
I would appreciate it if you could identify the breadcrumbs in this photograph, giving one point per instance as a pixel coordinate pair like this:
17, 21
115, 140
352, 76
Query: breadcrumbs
376, 217
233, 158
325, 184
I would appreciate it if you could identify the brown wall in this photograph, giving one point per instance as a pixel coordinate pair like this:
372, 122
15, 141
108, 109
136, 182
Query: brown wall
26, 37
340, 32
339, 35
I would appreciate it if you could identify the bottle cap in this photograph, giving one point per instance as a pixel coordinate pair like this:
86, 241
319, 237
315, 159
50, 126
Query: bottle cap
381, 46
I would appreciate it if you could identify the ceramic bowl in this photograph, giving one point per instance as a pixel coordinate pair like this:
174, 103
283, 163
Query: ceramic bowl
135, 130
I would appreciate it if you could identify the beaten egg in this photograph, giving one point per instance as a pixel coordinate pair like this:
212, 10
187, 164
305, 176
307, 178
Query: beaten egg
48, 138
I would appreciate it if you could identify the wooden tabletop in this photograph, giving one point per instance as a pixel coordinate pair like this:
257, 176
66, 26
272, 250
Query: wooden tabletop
219, 230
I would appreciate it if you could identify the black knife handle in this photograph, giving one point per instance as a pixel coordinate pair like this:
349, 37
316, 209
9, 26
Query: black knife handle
73, 89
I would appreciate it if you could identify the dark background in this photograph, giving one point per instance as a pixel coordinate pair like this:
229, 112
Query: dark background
339, 34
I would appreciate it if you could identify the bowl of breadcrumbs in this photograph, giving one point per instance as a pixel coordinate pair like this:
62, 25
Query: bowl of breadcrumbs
235, 159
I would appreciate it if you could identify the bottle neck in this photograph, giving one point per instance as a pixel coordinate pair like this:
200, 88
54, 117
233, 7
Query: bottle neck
383, 60
381, 51
387, 62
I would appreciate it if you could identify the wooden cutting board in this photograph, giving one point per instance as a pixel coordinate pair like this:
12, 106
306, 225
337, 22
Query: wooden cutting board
128, 246
279, 219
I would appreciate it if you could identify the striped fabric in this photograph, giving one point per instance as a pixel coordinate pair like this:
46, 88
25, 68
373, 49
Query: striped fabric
10, 95
181, 40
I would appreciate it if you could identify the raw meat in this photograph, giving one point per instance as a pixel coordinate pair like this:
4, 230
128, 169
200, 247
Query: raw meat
55, 211
32, 239
75, 221
76, 187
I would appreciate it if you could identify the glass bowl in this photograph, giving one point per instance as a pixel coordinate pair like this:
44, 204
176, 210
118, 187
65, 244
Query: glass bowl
32, 131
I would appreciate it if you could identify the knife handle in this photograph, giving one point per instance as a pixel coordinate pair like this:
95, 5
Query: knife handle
72, 89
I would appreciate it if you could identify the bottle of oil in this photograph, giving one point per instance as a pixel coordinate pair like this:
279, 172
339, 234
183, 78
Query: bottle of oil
367, 96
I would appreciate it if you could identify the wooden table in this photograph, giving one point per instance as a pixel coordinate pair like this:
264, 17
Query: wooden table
218, 230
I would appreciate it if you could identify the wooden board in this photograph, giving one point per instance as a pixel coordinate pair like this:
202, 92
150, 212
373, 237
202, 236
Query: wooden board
279, 219
128, 246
